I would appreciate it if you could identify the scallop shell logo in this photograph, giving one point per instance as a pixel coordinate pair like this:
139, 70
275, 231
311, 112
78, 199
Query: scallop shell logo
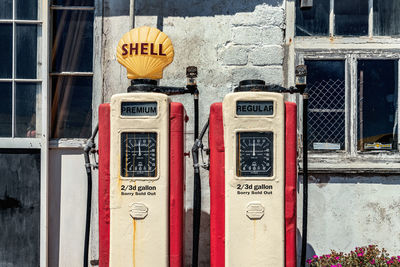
145, 52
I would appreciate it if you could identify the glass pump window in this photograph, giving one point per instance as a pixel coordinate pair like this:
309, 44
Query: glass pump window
254, 154
377, 104
326, 117
72, 68
138, 154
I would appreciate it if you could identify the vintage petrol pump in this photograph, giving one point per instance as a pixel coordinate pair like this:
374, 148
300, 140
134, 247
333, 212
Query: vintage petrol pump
253, 172
141, 159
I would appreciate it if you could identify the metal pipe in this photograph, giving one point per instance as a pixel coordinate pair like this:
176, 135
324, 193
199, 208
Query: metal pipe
196, 187
305, 180
88, 147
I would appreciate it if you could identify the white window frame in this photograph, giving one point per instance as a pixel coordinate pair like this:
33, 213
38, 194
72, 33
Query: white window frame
349, 49
42, 141
96, 73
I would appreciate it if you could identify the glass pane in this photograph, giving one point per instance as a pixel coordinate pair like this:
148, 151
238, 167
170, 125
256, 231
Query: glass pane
386, 17
72, 41
26, 56
5, 109
377, 104
6, 50
326, 116
71, 107
351, 17
27, 9
27, 103
313, 21
20, 208
73, 2
6, 9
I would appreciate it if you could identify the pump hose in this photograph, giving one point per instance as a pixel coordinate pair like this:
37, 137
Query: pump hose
305, 180
197, 191
89, 145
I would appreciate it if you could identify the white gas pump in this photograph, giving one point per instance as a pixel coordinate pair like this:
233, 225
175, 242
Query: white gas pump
253, 175
141, 159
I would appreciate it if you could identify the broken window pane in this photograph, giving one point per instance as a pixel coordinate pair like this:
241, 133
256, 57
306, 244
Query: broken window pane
313, 21
326, 113
351, 17
377, 104
386, 17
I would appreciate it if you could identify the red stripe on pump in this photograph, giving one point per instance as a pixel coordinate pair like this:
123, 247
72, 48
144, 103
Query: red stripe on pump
290, 182
217, 187
104, 185
176, 183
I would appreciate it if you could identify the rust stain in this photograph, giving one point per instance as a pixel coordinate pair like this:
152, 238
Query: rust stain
290, 40
134, 243
254, 229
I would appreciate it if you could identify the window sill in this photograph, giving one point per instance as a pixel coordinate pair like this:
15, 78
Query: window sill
67, 143
12, 143
383, 162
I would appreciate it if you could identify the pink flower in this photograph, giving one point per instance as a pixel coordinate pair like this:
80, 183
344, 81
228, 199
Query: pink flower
359, 254
315, 257
337, 257
339, 265
373, 261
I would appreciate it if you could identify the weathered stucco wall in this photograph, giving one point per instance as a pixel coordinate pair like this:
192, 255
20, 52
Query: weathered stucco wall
348, 211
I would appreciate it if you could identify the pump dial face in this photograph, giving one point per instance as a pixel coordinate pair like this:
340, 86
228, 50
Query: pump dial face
254, 154
138, 154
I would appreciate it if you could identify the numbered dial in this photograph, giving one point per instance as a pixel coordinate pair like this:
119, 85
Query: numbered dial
139, 154
254, 154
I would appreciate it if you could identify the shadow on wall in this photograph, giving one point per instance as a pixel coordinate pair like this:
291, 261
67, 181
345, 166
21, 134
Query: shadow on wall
204, 244
310, 250
183, 8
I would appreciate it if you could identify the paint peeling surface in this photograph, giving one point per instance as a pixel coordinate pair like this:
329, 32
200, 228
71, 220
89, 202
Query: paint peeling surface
348, 211
19, 208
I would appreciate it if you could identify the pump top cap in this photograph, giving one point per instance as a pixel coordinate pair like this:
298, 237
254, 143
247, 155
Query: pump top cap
145, 52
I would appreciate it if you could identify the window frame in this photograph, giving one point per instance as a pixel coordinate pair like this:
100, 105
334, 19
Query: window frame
331, 27
350, 49
75, 142
26, 142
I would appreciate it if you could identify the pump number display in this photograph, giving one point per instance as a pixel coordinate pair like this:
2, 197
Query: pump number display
254, 154
138, 154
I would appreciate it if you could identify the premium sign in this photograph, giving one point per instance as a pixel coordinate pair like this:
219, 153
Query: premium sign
255, 108
145, 52
139, 108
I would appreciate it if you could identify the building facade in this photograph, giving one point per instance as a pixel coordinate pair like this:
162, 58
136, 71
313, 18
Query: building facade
59, 63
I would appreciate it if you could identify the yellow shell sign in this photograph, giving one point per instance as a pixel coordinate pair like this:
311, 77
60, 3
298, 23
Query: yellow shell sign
145, 52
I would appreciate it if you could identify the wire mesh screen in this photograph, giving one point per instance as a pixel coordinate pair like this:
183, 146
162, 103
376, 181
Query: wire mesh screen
326, 116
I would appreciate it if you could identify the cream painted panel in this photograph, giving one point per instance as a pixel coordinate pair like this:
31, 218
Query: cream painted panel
73, 192
139, 242
257, 242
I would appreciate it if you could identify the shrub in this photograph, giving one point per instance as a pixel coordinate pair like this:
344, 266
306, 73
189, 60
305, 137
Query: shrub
361, 256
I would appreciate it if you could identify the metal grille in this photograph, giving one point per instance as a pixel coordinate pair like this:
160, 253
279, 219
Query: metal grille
326, 116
